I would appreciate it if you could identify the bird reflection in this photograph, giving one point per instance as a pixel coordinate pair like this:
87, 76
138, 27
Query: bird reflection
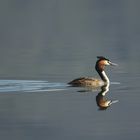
101, 101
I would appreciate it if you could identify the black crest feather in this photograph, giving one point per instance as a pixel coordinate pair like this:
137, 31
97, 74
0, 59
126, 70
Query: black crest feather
102, 58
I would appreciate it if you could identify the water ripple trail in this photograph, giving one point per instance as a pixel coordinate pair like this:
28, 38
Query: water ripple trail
30, 86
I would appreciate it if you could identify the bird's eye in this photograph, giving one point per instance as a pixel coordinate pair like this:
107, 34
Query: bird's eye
107, 62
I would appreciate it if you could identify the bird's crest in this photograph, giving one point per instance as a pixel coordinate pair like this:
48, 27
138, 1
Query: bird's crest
102, 58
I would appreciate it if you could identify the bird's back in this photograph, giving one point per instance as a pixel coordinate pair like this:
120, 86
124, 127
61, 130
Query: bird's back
86, 81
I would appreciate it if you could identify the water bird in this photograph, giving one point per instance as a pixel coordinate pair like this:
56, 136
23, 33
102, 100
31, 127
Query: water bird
93, 82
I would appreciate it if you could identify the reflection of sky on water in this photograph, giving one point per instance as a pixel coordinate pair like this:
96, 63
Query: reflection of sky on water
40, 38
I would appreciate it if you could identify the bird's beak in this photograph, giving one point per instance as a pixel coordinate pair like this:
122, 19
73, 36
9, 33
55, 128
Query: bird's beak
112, 102
113, 64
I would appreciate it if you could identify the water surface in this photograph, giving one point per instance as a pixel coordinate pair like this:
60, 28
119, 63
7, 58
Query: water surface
46, 44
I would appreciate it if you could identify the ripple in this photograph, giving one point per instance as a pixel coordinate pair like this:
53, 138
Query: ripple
115, 83
30, 86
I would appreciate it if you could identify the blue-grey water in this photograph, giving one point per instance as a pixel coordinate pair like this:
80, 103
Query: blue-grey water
44, 45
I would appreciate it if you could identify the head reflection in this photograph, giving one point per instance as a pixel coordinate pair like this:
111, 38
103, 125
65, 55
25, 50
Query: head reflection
101, 101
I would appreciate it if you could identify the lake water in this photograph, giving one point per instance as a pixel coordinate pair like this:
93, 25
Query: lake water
46, 44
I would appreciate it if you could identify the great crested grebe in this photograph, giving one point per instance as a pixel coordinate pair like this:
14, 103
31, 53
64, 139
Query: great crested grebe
93, 82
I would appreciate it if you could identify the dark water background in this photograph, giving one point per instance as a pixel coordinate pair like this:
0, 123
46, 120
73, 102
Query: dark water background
45, 44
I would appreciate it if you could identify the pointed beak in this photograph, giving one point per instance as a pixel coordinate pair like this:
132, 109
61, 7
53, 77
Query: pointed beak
113, 64
113, 102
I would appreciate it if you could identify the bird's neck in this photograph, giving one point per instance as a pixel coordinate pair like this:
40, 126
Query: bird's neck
100, 69
103, 76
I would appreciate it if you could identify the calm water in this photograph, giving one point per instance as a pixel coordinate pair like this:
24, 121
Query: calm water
44, 45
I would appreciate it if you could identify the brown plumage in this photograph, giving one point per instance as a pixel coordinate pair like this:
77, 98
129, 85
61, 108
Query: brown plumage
86, 81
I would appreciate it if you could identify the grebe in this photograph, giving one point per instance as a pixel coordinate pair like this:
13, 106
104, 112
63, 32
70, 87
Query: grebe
93, 82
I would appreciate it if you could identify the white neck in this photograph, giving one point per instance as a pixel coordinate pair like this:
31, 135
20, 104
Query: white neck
105, 76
